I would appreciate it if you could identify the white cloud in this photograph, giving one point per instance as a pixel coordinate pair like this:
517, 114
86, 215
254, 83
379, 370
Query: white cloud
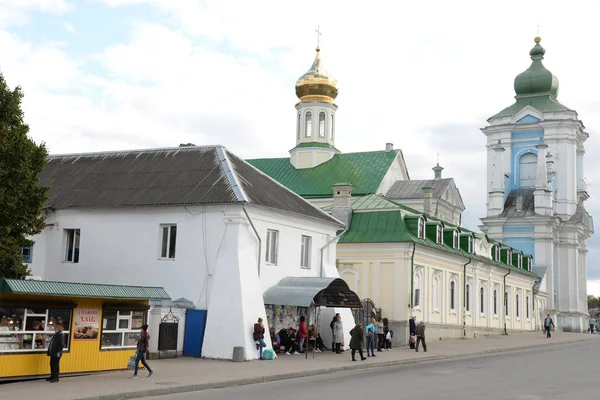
14, 12
593, 287
69, 27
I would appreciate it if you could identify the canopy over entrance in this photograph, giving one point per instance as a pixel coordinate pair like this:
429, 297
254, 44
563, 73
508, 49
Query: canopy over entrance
308, 291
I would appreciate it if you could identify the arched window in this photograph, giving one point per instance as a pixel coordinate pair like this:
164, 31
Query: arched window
299, 125
527, 170
455, 239
468, 297
495, 301
418, 288
421, 228
452, 295
331, 128
527, 307
520, 260
322, 124
438, 234
437, 288
518, 315
471, 244
506, 303
482, 300
497, 253
308, 124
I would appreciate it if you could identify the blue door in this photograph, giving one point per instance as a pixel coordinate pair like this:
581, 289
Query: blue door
195, 323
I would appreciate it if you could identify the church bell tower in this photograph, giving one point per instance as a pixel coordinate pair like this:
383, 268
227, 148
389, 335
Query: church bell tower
315, 117
536, 190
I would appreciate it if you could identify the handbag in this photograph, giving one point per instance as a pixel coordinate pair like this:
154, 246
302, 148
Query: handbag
132, 361
412, 339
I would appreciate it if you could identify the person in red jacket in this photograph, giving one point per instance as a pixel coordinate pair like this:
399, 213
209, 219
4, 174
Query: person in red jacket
302, 334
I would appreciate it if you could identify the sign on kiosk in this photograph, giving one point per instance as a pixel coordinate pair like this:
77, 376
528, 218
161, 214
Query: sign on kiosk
87, 323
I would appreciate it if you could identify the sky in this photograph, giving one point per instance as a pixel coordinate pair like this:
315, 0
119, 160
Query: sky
127, 74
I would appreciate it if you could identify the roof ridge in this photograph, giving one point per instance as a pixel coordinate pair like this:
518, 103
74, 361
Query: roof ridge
149, 150
231, 174
80, 283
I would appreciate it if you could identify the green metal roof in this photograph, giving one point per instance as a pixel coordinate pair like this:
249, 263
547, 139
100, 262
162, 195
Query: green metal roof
314, 144
364, 171
75, 289
545, 103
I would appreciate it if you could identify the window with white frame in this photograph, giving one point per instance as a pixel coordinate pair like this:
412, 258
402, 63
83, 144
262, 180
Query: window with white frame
468, 298
272, 246
497, 253
527, 170
520, 261
439, 231
506, 303
482, 300
421, 228
418, 288
455, 239
527, 307
321, 124
305, 252
471, 244
509, 257
121, 328
437, 291
452, 295
168, 240
299, 126
517, 313
72, 240
308, 124
495, 301
27, 254
30, 329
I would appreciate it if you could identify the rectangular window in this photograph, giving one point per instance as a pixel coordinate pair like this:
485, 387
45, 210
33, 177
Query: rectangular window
31, 329
482, 300
495, 302
517, 314
72, 245
417, 297
305, 252
527, 307
272, 245
168, 241
452, 296
506, 303
27, 255
121, 329
468, 298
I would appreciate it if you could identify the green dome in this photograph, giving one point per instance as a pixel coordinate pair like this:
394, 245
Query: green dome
536, 79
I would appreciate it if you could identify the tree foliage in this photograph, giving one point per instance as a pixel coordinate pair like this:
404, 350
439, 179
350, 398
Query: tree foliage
21, 195
593, 302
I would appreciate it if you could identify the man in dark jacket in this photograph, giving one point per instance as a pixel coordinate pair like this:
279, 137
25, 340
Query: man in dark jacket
420, 331
288, 340
413, 331
55, 349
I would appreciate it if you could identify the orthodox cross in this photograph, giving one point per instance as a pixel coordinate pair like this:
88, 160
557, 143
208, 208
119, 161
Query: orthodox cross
318, 30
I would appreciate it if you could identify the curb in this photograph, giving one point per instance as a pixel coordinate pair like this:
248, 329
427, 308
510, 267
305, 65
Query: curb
307, 373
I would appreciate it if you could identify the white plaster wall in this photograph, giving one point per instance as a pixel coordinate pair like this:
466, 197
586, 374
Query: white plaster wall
396, 172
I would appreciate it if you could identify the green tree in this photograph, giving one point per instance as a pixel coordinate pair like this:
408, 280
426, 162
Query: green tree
593, 302
21, 195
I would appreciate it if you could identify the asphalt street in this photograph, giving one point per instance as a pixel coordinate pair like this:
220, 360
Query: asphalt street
563, 372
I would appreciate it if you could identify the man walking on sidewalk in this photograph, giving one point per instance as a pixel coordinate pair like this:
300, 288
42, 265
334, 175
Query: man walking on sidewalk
548, 323
421, 336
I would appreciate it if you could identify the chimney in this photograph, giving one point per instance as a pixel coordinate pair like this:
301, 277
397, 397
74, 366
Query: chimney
427, 199
519, 203
389, 147
342, 202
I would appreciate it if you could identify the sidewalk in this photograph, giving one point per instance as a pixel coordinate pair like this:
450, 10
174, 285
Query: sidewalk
190, 374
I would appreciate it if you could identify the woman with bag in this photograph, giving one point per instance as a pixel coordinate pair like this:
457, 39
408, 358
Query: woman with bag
371, 330
338, 335
142, 350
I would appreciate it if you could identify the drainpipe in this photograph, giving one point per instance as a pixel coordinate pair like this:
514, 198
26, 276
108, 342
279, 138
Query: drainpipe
257, 236
533, 296
505, 301
326, 246
412, 279
465, 297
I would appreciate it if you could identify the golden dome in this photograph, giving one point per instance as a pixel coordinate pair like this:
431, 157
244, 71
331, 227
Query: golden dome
316, 84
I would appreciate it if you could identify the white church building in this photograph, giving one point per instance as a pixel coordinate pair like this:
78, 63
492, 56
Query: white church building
196, 220
536, 189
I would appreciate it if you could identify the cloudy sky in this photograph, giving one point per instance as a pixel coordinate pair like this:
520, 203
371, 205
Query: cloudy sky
122, 74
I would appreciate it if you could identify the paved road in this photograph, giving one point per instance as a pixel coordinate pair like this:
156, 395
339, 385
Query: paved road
549, 373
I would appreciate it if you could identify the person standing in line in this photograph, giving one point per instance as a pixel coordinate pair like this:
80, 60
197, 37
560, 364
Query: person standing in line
413, 331
592, 322
333, 321
380, 335
141, 352
420, 331
371, 330
259, 336
338, 334
357, 341
302, 333
548, 324
55, 349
